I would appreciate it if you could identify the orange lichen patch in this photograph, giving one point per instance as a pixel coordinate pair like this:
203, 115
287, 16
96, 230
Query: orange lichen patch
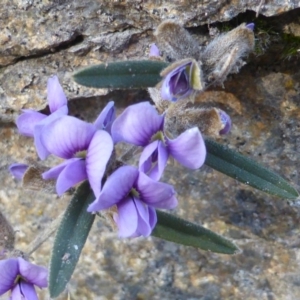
220, 97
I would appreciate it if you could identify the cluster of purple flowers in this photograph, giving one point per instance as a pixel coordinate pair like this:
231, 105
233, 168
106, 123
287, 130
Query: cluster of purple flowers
87, 149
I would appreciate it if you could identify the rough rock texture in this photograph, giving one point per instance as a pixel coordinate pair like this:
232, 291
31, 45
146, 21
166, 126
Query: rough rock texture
40, 38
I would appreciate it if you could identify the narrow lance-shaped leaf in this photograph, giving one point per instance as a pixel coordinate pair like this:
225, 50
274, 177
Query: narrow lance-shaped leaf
70, 239
247, 171
121, 74
177, 230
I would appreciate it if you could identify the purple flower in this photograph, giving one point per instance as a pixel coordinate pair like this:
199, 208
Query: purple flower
140, 125
20, 276
181, 79
31, 122
86, 150
17, 170
135, 195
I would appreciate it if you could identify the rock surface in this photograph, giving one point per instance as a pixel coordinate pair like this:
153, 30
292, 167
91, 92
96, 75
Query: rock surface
40, 38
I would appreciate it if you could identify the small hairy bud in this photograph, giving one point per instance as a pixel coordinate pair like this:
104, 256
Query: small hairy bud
224, 54
175, 42
210, 121
160, 104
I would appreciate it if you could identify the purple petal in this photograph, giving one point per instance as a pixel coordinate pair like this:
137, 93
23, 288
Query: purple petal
72, 174
54, 172
154, 51
137, 124
38, 129
27, 290
34, 274
153, 160
66, 136
176, 84
18, 170
152, 217
127, 218
28, 120
98, 155
226, 121
145, 162
106, 117
156, 194
143, 227
180, 85
16, 293
56, 96
250, 26
166, 89
9, 270
116, 188
188, 148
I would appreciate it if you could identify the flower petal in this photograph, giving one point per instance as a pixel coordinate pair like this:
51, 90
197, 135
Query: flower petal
9, 270
116, 188
188, 148
152, 217
226, 121
67, 135
26, 121
98, 155
18, 170
156, 194
127, 218
55, 95
166, 89
143, 227
153, 160
38, 129
154, 51
137, 124
16, 293
106, 117
73, 173
54, 172
34, 274
250, 26
145, 162
27, 290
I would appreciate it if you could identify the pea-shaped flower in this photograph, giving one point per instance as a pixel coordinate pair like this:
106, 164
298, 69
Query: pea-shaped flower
141, 125
136, 197
86, 147
20, 276
31, 122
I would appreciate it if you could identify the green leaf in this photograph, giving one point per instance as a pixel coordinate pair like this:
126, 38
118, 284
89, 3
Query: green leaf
121, 74
247, 171
70, 239
180, 231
